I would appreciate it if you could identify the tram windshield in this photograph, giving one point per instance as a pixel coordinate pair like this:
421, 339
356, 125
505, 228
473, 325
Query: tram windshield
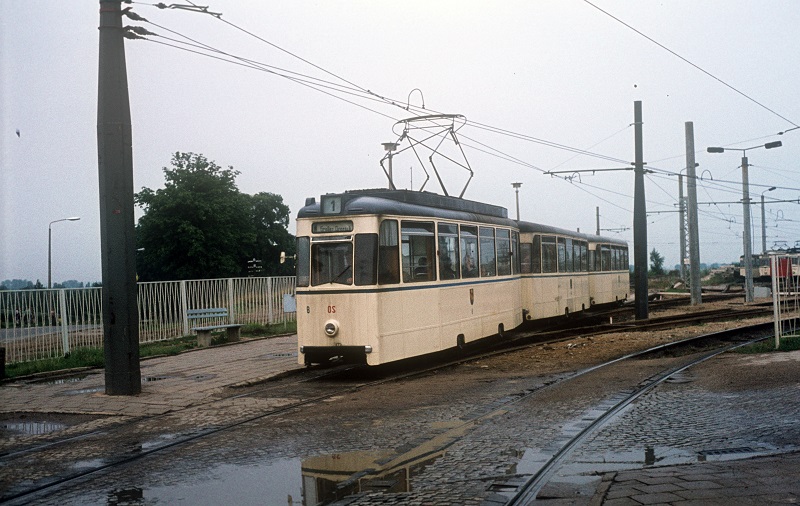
332, 263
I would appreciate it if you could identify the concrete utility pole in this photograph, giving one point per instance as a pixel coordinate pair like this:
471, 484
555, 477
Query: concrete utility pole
694, 233
117, 231
748, 240
597, 209
639, 219
516, 189
682, 226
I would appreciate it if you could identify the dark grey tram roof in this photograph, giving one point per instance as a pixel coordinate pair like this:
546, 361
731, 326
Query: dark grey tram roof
538, 228
431, 205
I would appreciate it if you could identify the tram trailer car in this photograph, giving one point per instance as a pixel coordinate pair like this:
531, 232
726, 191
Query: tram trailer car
384, 275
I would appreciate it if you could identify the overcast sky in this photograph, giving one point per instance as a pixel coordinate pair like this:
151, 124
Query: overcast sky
559, 71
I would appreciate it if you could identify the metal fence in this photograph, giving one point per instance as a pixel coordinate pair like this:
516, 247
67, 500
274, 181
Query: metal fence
785, 273
36, 324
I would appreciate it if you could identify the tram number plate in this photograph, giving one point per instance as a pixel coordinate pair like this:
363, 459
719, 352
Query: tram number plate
331, 309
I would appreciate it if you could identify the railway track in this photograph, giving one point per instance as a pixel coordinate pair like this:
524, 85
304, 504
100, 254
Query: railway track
307, 386
527, 491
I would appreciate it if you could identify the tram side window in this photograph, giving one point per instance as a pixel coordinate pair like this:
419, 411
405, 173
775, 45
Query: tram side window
388, 254
616, 259
536, 255
525, 260
448, 251
568, 255
303, 261
469, 251
418, 251
605, 257
366, 259
583, 256
332, 263
549, 254
562, 254
488, 254
592, 261
516, 259
503, 252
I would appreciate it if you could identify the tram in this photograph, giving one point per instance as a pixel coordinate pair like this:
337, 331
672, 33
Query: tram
762, 268
384, 275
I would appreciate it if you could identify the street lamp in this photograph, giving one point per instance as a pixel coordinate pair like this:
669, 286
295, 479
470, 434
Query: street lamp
764, 224
50, 248
516, 189
389, 147
748, 245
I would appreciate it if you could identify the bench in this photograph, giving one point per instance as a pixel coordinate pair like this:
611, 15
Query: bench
204, 333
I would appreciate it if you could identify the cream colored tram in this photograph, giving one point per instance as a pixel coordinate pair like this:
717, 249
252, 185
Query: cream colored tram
609, 265
566, 272
384, 275
555, 271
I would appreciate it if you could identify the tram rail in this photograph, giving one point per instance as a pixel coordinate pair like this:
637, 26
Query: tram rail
347, 382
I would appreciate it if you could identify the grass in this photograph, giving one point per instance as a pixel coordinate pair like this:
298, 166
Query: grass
94, 357
790, 343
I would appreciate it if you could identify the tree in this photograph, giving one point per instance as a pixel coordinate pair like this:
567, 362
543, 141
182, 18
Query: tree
198, 226
656, 263
270, 222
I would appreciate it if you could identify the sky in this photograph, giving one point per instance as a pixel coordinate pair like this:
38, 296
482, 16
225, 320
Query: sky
524, 74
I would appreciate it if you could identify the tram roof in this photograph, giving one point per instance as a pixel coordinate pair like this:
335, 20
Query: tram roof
431, 205
538, 228
410, 203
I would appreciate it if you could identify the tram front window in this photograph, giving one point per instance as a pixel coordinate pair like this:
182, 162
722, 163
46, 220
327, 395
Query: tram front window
332, 263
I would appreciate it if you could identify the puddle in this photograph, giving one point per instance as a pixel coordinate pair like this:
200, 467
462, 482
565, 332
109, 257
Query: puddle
288, 354
82, 391
88, 464
150, 379
62, 381
278, 482
162, 440
31, 427
720, 454
314, 481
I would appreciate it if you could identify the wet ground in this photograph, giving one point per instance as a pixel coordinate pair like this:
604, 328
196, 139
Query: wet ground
464, 435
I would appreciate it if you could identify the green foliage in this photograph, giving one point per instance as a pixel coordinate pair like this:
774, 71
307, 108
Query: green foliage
790, 343
257, 329
656, 263
201, 226
270, 222
93, 357
80, 357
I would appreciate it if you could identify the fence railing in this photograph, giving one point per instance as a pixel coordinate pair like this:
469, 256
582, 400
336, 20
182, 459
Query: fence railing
785, 273
36, 324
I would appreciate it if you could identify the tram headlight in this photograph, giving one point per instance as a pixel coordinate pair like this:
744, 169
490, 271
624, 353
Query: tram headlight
331, 328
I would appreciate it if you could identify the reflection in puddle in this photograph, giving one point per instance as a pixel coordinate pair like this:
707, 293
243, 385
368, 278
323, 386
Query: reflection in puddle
331, 477
311, 482
125, 497
649, 456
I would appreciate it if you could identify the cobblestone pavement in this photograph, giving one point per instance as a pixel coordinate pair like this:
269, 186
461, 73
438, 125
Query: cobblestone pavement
454, 438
